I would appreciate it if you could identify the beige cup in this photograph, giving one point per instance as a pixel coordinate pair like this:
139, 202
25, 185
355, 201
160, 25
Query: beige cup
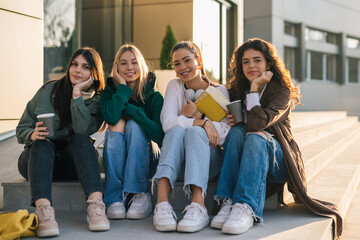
235, 109
48, 121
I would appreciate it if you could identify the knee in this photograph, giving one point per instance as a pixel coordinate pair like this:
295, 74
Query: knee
42, 145
255, 141
195, 132
176, 132
237, 132
235, 136
80, 140
131, 125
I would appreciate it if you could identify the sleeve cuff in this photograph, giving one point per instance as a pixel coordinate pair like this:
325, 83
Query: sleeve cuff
77, 101
252, 100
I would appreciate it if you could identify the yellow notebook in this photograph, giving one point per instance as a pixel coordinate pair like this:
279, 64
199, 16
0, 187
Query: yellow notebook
213, 103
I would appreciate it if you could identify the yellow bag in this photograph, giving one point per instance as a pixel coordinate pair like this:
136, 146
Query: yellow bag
14, 225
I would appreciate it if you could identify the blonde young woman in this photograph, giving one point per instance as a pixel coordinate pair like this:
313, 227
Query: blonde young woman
130, 105
191, 143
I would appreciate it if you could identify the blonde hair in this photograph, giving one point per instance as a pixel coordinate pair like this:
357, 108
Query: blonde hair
144, 69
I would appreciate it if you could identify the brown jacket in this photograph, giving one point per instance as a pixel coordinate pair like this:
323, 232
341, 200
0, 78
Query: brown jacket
274, 116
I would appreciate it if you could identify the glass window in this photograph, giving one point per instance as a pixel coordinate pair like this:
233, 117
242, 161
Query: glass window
216, 45
352, 43
206, 16
316, 65
289, 28
353, 70
315, 35
331, 67
60, 36
331, 38
289, 60
320, 36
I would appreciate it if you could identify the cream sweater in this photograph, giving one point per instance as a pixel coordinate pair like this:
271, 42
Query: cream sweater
173, 104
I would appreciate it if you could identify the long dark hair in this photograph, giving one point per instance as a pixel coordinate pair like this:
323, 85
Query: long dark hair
239, 85
62, 91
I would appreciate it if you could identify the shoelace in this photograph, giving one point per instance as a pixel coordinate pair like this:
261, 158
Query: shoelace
44, 213
166, 210
138, 199
96, 206
242, 209
226, 207
192, 210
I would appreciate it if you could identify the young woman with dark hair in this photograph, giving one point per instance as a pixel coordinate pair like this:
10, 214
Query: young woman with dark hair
191, 144
262, 150
69, 153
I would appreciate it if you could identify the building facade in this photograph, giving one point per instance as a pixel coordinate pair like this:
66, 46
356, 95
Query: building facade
43, 34
320, 43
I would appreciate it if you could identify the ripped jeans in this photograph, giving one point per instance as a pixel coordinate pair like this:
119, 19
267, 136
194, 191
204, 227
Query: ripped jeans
186, 154
249, 162
129, 161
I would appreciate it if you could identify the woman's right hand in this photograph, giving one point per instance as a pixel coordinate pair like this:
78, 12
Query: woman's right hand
39, 133
116, 75
231, 118
212, 134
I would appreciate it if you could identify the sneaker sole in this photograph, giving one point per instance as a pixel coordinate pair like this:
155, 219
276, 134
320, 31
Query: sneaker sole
98, 227
192, 228
166, 228
234, 231
116, 216
216, 225
130, 215
48, 233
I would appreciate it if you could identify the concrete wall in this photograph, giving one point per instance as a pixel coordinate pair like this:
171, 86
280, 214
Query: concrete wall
21, 58
148, 35
336, 16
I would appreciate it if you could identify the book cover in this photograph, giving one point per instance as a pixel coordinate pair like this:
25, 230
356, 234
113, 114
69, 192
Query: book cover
213, 103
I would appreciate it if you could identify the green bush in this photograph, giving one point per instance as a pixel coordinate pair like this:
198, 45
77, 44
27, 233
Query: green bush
168, 43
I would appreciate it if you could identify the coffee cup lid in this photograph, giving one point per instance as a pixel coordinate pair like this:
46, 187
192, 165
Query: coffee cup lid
46, 115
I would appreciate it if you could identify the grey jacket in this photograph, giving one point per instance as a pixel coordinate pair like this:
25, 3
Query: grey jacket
85, 115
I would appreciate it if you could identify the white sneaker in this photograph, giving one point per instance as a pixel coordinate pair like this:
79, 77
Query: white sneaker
164, 217
220, 218
116, 211
140, 207
195, 219
240, 219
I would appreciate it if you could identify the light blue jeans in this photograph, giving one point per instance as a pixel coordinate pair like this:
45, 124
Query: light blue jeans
128, 158
249, 162
186, 154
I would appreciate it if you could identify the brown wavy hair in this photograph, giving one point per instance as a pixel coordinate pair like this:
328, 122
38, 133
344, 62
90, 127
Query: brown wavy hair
239, 85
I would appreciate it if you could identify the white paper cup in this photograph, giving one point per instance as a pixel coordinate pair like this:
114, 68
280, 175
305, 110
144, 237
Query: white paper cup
235, 109
48, 121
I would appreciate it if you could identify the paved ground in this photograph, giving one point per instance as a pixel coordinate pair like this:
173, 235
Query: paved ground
9, 152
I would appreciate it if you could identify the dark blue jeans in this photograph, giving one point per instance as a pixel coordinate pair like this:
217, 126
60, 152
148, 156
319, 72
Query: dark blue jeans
249, 162
44, 161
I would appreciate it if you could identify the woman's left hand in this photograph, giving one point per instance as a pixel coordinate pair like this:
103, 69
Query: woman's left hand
189, 109
212, 134
82, 86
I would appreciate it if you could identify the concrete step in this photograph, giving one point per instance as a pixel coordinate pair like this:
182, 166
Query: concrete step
319, 154
352, 219
308, 134
335, 183
302, 119
69, 195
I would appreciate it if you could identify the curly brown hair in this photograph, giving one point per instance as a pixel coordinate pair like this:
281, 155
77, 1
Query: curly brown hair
239, 85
